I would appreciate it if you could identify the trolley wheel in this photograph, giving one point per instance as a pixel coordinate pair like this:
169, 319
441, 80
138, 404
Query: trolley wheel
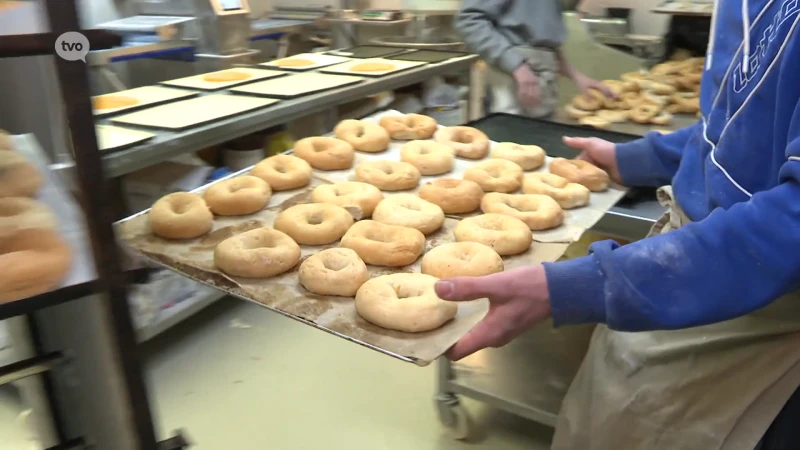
456, 421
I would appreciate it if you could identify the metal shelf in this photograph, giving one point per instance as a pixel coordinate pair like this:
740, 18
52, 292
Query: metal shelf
168, 145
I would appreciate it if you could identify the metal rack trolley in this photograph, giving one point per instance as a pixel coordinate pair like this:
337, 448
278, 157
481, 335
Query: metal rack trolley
82, 347
529, 376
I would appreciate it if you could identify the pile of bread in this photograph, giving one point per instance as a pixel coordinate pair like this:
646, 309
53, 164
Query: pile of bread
648, 97
33, 256
372, 228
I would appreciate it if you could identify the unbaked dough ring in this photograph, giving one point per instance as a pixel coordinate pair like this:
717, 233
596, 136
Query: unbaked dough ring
576, 113
384, 245
325, 153
20, 213
461, 259
18, 177
408, 210
467, 142
314, 223
404, 302
181, 215
429, 157
496, 175
409, 127
34, 261
362, 135
349, 194
528, 157
612, 116
238, 196
259, 253
388, 175
581, 172
595, 122
505, 234
591, 101
335, 271
538, 212
568, 195
644, 113
453, 196
283, 172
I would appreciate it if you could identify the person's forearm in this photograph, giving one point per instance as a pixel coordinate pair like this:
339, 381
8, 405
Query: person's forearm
654, 159
733, 262
475, 24
564, 67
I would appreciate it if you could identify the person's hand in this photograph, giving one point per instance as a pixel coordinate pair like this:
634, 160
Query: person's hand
528, 89
518, 299
602, 154
585, 84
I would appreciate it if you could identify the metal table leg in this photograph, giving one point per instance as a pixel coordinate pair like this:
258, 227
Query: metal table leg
452, 415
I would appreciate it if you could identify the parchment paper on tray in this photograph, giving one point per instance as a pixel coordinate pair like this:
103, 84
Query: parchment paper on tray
337, 315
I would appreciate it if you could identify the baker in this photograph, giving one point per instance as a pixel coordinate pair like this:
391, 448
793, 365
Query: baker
521, 40
712, 295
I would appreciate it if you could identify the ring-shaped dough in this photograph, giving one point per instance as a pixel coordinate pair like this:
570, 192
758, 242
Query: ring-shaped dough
362, 135
568, 195
591, 101
496, 175
18, 177
505, 234
453, 196
408, 210
259, 253
612, 116
581, 172
34, 261
529, 157
384, 245
539, 212
467, 142
388, 175
238, 196
429, 157
461, 259
283, 172
404, 302
644, 113
314, 223
181, 215
595, 122
21, 213
409, 127
335, 271
576, 113
325, 153
349, 194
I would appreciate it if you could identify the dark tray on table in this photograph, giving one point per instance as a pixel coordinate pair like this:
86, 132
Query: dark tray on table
502, 127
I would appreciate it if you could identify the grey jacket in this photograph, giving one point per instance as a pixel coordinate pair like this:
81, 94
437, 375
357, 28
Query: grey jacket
492, 28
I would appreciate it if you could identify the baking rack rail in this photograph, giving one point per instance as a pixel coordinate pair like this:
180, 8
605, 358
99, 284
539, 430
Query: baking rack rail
78, 358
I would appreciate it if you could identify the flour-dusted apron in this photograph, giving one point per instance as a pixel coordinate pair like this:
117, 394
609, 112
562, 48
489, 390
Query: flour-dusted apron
544, 63
705, 388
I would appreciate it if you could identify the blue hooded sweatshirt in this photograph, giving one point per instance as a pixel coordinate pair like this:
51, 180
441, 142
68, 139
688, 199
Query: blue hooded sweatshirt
735, 173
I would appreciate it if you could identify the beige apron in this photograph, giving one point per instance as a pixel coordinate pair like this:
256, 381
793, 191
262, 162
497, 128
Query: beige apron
706, 388
544, 63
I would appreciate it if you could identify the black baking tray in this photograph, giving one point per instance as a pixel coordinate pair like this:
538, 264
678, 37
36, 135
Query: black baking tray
501, 127
368, 51
429, 56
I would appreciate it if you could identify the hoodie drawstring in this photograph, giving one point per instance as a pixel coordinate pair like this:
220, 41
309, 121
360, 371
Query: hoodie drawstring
712, 34
746, 29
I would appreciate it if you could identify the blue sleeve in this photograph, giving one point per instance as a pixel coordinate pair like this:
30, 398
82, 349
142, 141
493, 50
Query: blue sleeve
733, 262
654, 159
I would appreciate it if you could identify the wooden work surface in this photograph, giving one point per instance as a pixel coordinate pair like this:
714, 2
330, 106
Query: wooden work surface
199, 82
297, 85
193, 112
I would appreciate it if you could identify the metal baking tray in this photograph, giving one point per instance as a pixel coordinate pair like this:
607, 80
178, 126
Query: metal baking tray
429, 56
368, 51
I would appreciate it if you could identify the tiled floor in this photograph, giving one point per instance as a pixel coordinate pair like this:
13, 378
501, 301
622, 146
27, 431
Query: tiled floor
237, 376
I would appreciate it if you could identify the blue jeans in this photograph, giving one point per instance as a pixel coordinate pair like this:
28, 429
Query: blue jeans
784, 433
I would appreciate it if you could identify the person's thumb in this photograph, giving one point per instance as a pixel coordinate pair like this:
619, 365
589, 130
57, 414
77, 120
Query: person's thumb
578, 143
460, 289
